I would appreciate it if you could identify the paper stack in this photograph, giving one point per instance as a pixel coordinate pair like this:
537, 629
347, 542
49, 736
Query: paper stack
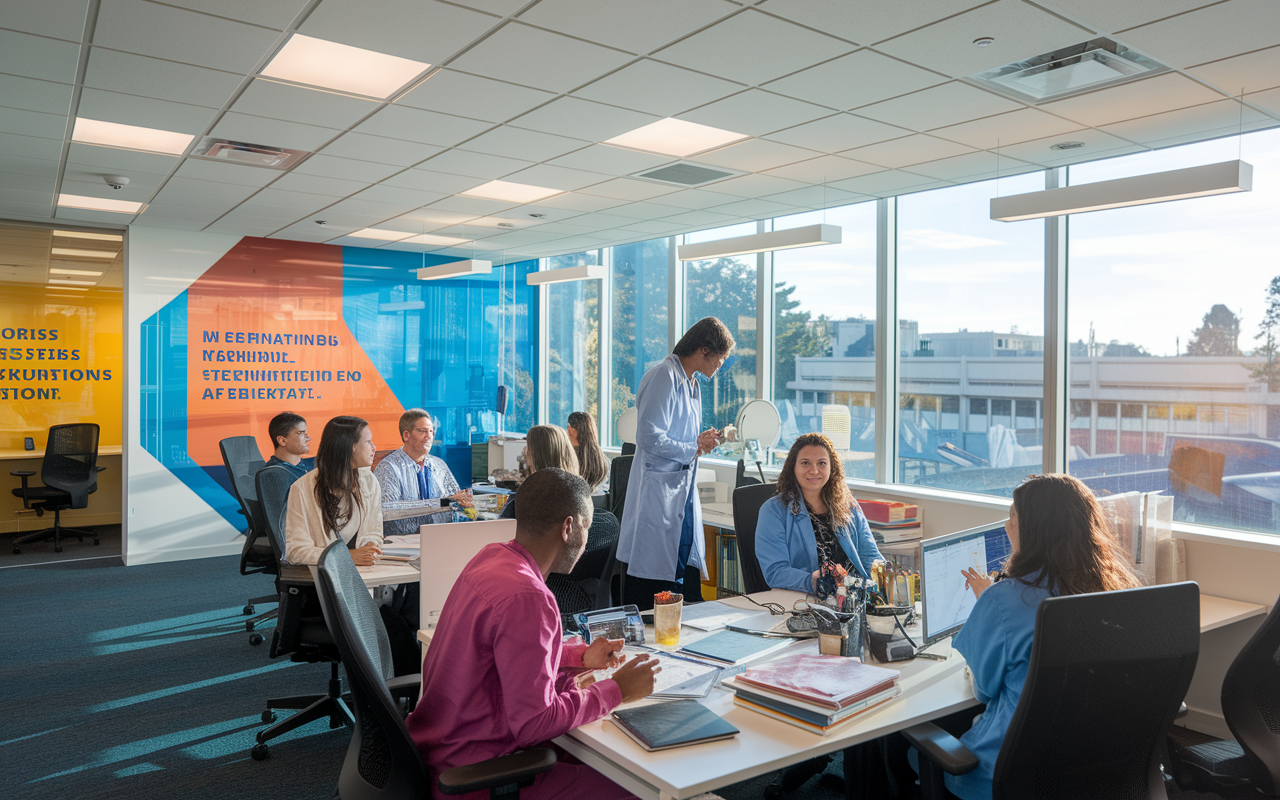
818, 693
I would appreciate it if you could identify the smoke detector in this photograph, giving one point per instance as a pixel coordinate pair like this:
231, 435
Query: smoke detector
1066, 146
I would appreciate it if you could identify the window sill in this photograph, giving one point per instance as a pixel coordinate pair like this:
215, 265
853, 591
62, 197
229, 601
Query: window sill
1249, 540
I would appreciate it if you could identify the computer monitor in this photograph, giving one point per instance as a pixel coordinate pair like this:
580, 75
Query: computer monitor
945, 601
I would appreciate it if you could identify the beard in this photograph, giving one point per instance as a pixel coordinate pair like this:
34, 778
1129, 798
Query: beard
573, 551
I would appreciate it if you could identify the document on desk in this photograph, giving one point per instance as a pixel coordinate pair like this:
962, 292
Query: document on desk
712, 616
680, 677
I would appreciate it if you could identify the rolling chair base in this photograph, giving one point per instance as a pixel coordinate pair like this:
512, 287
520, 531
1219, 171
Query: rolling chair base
312, 708
55, 533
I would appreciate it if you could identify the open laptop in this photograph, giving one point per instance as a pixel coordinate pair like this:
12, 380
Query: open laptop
446, 549
944, 600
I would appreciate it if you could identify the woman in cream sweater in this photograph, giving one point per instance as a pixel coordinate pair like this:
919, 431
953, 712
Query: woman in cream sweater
339, 499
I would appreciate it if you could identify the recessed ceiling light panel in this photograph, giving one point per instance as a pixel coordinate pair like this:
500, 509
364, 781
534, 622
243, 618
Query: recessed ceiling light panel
341, 67
675, 137
86, 272
73, 252
130, 137
378, 233
428, 238
106, 237
511, 192
1080, 68
98, 204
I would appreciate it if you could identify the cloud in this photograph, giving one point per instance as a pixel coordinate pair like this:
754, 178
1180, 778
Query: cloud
928, 238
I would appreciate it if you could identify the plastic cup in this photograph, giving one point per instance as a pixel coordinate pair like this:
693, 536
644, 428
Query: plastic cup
666, 619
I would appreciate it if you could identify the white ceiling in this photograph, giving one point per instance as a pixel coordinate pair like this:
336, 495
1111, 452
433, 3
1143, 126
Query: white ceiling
845, 100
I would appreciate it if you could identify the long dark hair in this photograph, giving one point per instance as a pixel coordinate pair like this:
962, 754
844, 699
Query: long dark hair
591, 463
336, 481
835, 494
1063, 535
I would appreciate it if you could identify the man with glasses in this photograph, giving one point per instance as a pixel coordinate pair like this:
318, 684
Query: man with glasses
412, 473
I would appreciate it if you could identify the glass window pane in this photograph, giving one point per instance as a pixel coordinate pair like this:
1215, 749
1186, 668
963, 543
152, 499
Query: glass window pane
573, 342
639, 287
725, 288
824, 336
971, 314
1169, 310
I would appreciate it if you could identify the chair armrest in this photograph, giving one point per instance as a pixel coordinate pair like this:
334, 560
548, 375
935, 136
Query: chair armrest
402, 685
22, 473
1182, 711
519, 768
99, 469
941, 748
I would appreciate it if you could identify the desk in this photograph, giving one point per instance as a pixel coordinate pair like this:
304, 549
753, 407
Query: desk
1217, 612
718, 514
16, 455
385, 574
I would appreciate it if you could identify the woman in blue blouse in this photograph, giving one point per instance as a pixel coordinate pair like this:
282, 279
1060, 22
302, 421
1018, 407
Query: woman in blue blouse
1061, 544
811, 520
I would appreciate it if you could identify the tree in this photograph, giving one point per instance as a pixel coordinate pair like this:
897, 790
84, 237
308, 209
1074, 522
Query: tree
1268, 333
1117, 350
794, 335
1219, 335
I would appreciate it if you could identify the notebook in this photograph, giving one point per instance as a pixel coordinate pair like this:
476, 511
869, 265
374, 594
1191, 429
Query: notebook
732, 647
828, 681
662, 726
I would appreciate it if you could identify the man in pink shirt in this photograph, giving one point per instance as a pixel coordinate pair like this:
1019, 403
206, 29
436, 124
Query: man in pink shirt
491, 682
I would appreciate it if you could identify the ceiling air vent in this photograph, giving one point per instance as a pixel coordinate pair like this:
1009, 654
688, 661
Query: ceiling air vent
254, 155
1080, 68
686, 174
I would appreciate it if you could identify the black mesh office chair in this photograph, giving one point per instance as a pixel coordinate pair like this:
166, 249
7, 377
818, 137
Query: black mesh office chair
382, 761
619, 474
69, 473
1251, 707
746, 511
300, 631
242, 460
580, 590
1107, 676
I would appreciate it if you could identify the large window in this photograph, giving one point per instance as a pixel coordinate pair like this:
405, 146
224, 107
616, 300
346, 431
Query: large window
726, 288
824, 306
1174, 327
970, 339
639, 287
573, 341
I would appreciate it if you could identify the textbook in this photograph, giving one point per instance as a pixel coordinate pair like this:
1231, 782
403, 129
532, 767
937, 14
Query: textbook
732, 647
812, 722
662, 726
831, 682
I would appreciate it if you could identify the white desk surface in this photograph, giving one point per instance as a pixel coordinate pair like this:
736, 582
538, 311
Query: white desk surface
1215, 612
18, 455
718, 514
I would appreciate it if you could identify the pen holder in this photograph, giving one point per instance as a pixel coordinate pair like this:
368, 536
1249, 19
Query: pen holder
840, 634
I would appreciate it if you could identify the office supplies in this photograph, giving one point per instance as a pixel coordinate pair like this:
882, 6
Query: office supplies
945, 600
618, 622
662, 726
733, 647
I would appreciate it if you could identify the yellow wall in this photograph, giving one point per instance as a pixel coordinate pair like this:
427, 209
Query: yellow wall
60, 362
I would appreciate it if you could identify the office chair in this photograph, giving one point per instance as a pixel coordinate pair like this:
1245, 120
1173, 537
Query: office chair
741, 478
1251, 707
619, 475
1107, 676
382, 761
69, 473
580, 590
242, 460
746, 511
300, 631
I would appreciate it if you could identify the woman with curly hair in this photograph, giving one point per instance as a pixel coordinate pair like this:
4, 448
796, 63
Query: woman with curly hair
811, 520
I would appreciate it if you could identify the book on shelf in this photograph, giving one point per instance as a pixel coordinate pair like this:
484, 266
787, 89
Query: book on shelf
890, 535
831, 682
793, 714
887, 510
675, 723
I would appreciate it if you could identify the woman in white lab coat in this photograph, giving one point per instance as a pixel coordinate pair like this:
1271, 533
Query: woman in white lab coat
661, 541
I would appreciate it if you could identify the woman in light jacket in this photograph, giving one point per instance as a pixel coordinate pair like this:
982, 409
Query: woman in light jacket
812, 519
339, 499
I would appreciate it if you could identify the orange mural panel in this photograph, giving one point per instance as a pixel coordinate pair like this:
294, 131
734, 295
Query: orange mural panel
266, 334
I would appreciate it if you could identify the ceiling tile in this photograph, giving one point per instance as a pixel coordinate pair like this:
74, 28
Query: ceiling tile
452, 92
816, 197
364, 147
398, 195
625, 24
838, 132
582, 119
656, 228
601, 222
629, 189
534, 57
16, 184
346, 168
271, 132
1019, 29
520, 143
242, 225
856, 80
907, 151
416, 125
959, 168
651, 210
948, 104
824, 169
151, 29
332, 187
756, 209
222, 172
161, 209
12, 144
148, 220
1039, 151
885, 183
1270, 100
278, 14
695, 199
471, 205
125, 162
162, 80
128, 109
87, 182
866, 21
36, 57
553, 177
581, 202
1130, 100
475, 165
1005, 129
61, 19
33, 95
658, 88
371, 208
38, 167
429, 181
754, 185
1209, 34
296, 200
202, 194
755, 155
1109, 16
755, 113
503, 8
33, 123
269, 214
264, 98
422, 30
610, 160
1251, 72
733, 49
1189, 124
